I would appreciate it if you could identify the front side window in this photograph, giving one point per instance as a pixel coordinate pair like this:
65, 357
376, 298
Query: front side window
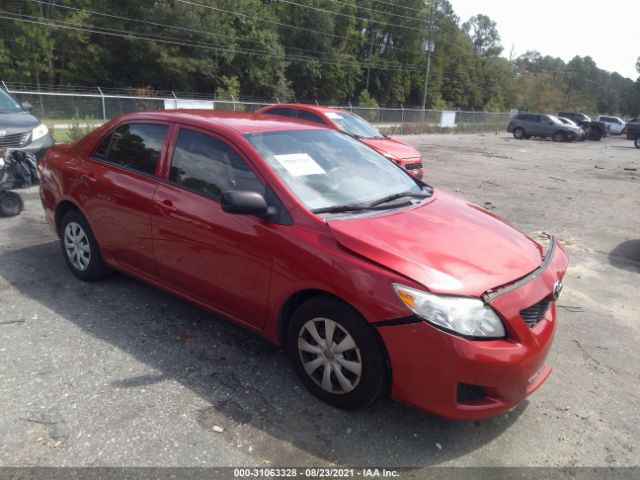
136, 146
209, 166
325, 168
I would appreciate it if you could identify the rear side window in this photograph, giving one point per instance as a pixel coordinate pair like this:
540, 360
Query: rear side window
310, 117
136, 146
209, 166
282, 112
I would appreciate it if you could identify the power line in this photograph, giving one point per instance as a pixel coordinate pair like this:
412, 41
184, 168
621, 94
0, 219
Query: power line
351, 16
155, 24
397, 6
280, 24
372, 10
186, 43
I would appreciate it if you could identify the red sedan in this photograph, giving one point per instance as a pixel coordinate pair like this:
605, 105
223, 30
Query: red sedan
395, 150
372, 280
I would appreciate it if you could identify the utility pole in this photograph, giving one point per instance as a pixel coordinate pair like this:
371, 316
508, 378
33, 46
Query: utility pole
370, 32
430, 47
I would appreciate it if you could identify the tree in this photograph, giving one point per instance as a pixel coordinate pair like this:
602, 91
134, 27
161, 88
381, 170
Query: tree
484, 35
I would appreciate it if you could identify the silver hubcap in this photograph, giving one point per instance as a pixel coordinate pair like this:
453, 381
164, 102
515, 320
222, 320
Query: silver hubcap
76, 244
330, 355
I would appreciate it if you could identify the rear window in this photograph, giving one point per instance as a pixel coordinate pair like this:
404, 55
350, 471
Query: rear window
135, 146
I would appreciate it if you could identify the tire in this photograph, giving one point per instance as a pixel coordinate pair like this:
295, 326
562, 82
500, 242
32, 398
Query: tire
10, 204
80, 249
519, 134
559, 137
364, 377
527, 136
636, 142
595, 135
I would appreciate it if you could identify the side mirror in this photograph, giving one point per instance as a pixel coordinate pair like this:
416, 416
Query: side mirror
244, 202
27, 106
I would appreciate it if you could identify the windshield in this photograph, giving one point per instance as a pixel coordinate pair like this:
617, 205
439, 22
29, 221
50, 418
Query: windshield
555, 119
568, 121
354, 125
8, 104
326, 169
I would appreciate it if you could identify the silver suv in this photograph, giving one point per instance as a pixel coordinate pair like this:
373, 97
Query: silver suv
527, 125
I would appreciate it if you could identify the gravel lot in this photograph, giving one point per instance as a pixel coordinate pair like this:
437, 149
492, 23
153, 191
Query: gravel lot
120, 374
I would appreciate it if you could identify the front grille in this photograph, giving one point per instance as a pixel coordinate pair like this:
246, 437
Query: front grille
470, 393
413, 166
14, 140
535, 313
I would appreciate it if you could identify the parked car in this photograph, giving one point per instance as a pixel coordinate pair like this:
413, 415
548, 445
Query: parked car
616, 124
526, 125
581, 133
19, 130
633, 131
395, 150
372, 280
594, 129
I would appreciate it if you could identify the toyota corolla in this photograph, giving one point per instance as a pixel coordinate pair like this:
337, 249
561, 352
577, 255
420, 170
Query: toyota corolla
373, 281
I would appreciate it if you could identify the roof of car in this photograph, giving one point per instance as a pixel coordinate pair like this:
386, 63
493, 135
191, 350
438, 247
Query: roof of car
241, 122
304, 106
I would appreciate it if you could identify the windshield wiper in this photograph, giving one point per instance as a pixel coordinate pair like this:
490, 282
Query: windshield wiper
341, 208
396, 196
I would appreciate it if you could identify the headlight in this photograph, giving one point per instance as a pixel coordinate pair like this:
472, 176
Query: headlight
39, 132
463, 315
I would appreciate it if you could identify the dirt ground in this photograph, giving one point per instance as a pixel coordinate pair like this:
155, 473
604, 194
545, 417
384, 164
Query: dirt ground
120, 374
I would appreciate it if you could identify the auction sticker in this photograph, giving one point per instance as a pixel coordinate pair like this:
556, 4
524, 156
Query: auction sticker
299, 164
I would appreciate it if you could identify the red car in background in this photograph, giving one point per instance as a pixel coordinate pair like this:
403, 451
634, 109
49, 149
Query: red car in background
372, 280
395, 150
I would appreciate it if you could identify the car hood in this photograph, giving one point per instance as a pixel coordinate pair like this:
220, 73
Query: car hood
396, 148
17, 122
446, 244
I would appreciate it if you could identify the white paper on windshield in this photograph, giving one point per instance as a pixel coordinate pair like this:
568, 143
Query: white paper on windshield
299, 164
333, 116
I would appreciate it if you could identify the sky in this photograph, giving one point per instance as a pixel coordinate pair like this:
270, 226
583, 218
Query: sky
607, 32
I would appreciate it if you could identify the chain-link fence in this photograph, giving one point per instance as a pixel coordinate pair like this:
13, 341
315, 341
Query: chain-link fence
60, 108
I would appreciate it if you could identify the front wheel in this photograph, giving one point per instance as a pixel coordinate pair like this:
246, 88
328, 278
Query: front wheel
336, 353
559, 137
80, 248
636, 142
10, 204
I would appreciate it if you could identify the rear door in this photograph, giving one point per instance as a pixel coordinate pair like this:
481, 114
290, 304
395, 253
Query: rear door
217, 258
116, 187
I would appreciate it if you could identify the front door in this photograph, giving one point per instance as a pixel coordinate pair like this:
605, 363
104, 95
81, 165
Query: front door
220, 259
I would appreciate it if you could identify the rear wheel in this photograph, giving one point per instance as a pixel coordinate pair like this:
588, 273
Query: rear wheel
336, 353
10, 204
519, 134
559, 137
636, 142
80, 248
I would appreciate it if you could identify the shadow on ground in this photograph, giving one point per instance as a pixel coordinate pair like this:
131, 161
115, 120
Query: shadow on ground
626, 256
249, 384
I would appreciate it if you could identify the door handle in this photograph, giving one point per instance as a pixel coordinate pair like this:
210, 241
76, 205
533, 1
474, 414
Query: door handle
166, 207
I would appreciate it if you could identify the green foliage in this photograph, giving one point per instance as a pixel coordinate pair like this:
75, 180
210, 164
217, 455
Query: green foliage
80, 126
366, 100
311, 49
